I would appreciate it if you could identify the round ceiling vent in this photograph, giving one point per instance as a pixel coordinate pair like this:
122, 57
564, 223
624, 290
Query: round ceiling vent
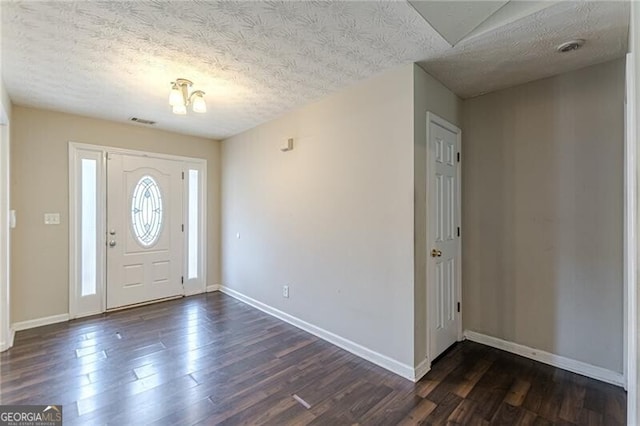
570, 46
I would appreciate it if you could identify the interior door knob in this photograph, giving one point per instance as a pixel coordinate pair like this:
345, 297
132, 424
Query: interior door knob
436, 253
112, 243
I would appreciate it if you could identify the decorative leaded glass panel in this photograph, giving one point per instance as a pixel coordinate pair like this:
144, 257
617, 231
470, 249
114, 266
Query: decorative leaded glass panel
146, 211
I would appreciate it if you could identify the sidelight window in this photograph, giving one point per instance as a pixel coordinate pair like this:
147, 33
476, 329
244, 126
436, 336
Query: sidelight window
88, 220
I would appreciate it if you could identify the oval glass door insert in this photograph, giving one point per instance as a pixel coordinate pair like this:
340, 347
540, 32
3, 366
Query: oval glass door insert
146, 211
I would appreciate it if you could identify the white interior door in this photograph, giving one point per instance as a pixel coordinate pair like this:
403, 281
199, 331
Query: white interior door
443, 238
144, 229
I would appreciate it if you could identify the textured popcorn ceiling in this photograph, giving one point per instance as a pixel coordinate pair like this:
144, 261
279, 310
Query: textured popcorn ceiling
257, 60
524, 50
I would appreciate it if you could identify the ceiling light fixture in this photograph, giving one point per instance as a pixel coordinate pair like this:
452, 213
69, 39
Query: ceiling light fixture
180, 98
570, 45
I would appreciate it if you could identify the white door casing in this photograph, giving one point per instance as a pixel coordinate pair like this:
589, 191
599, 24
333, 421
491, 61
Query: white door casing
443, 240
6, 335
87, 277
148, 265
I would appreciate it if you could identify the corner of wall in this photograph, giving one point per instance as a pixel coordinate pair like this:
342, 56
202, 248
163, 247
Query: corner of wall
306, 215
529, 153
633, 104
5, 103
6, 334
429, 95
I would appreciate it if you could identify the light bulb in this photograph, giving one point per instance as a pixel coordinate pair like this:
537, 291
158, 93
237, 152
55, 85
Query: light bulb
175, 97
199, 105
180, 109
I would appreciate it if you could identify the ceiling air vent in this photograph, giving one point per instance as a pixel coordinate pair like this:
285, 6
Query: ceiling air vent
570, 46
142, 121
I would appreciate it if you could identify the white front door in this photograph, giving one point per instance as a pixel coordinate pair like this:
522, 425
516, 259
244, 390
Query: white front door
144, 229
443, 239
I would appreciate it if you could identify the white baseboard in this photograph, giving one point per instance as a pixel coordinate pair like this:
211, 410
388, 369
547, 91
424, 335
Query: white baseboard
39, 322
9, 343
194, 292
377, 358
554, 360
84, 315
422, 369
213, 287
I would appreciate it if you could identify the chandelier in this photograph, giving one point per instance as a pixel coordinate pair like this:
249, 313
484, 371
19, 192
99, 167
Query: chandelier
180, 98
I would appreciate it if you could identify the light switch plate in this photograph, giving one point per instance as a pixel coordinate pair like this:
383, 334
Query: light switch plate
52, 218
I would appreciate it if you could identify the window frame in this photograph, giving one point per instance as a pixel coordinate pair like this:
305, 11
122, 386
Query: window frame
197, 284
92, 303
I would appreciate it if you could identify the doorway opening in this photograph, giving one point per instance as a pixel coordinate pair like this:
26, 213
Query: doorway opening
137, 228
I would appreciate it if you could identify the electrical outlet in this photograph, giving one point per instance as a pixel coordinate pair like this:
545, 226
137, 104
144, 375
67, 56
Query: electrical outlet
285, 291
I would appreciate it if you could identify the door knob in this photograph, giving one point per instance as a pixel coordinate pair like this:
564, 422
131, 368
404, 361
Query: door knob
436, 253
112, 243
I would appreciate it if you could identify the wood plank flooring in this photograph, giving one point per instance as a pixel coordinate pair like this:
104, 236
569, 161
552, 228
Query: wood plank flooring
210, 359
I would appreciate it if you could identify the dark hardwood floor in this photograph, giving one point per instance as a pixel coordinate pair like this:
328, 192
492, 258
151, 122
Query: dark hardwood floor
210, 359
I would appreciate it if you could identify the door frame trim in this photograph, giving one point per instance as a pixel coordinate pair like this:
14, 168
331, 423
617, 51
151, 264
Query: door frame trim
74, 233
74, 261
631, 249
433, 118
6, 330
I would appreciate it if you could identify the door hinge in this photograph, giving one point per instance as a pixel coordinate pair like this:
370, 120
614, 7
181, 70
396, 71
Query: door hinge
458, 157
182, 281
458, 306
458, 231
183, 227
183, 172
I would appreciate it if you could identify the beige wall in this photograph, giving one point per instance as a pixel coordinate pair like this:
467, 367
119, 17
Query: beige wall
542, 214
39, 184
429, 95
333, 218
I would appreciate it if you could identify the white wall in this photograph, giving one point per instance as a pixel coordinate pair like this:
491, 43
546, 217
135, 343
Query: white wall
542, 214
39, 184
333, 218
